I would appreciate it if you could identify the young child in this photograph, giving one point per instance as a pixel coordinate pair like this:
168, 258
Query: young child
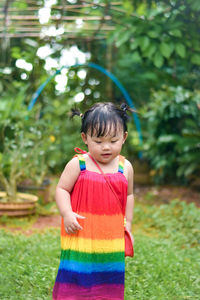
92, 261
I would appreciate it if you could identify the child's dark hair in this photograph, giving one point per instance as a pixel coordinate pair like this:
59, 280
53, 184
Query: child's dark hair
101, 118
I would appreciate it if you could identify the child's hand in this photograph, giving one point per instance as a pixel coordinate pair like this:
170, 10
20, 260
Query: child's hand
70, 222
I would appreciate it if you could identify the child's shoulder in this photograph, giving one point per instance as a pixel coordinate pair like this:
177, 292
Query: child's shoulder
128, 164
73, 164
128, 167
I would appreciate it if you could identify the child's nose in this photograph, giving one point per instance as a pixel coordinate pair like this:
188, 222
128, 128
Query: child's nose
105, 146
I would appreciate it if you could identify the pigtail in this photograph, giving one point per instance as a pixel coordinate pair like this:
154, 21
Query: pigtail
124, 107
76, 112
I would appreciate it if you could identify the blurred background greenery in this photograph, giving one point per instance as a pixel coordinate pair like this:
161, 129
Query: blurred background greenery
152, 47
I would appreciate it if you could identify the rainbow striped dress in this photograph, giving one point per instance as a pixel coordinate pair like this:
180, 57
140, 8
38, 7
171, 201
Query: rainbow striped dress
92, 262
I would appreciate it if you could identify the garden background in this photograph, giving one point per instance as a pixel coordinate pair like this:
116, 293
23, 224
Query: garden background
153, 49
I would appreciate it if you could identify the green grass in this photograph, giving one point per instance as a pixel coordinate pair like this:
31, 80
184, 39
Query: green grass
161, 270
166, 265
28, 265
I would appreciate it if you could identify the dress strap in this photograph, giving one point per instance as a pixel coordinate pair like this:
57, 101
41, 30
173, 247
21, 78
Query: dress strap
81, 162
121, 164
80, 158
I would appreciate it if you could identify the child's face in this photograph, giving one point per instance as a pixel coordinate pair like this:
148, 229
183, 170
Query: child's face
105, 148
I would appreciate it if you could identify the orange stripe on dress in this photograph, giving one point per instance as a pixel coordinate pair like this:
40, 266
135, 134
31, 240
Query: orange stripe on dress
99, 226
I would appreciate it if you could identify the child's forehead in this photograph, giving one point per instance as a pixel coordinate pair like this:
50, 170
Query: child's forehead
109, 133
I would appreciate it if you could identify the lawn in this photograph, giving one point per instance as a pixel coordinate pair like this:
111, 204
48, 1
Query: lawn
166, 263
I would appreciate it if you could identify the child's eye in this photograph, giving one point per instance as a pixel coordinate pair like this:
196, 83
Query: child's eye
113, 141
98, 142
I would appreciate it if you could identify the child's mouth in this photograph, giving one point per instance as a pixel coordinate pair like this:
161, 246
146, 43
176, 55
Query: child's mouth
106, 155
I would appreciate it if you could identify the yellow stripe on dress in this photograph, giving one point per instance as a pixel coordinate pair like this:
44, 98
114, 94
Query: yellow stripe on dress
92, 246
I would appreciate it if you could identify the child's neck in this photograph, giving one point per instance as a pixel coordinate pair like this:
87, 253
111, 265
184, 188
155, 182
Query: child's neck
111, 167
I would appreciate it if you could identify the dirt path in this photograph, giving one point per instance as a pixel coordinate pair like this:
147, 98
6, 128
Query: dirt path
165, 194
47, 221
42, 223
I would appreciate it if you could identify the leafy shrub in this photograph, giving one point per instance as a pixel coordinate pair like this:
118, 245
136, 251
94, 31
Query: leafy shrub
23, 143
173, 134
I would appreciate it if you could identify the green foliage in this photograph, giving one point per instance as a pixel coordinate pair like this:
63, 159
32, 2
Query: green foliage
158, 38
23, 143
153, 43
160, 24
64, 132
172, 134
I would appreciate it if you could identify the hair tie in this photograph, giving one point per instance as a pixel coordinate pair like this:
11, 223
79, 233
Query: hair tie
124, 107
76, 112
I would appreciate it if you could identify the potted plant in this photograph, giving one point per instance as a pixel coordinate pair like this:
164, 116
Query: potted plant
22, 157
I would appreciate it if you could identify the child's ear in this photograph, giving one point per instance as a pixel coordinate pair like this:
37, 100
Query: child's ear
125, 136
84, 137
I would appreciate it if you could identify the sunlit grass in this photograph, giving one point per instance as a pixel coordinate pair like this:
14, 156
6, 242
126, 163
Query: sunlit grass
166, 265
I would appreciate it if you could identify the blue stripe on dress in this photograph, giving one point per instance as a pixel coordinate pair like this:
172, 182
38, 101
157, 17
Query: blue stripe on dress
84, 267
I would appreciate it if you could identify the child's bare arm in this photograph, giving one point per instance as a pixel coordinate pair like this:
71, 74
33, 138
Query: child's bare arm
130, 198
63, 200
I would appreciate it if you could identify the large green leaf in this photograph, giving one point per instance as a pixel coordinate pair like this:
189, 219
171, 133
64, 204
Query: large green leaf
134, 44
180, 50
166, 49
153, 33
158, 60
176, 32
150, 50
123, 37
144, 42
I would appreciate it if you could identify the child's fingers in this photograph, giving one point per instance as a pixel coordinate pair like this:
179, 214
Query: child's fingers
71, 226
71, 229
79, 216
78, 226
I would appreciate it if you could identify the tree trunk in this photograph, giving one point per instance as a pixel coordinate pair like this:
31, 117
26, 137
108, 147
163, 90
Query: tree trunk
12, 191
9, 188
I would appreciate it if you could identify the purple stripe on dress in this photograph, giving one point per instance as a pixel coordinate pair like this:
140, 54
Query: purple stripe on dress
63, 291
